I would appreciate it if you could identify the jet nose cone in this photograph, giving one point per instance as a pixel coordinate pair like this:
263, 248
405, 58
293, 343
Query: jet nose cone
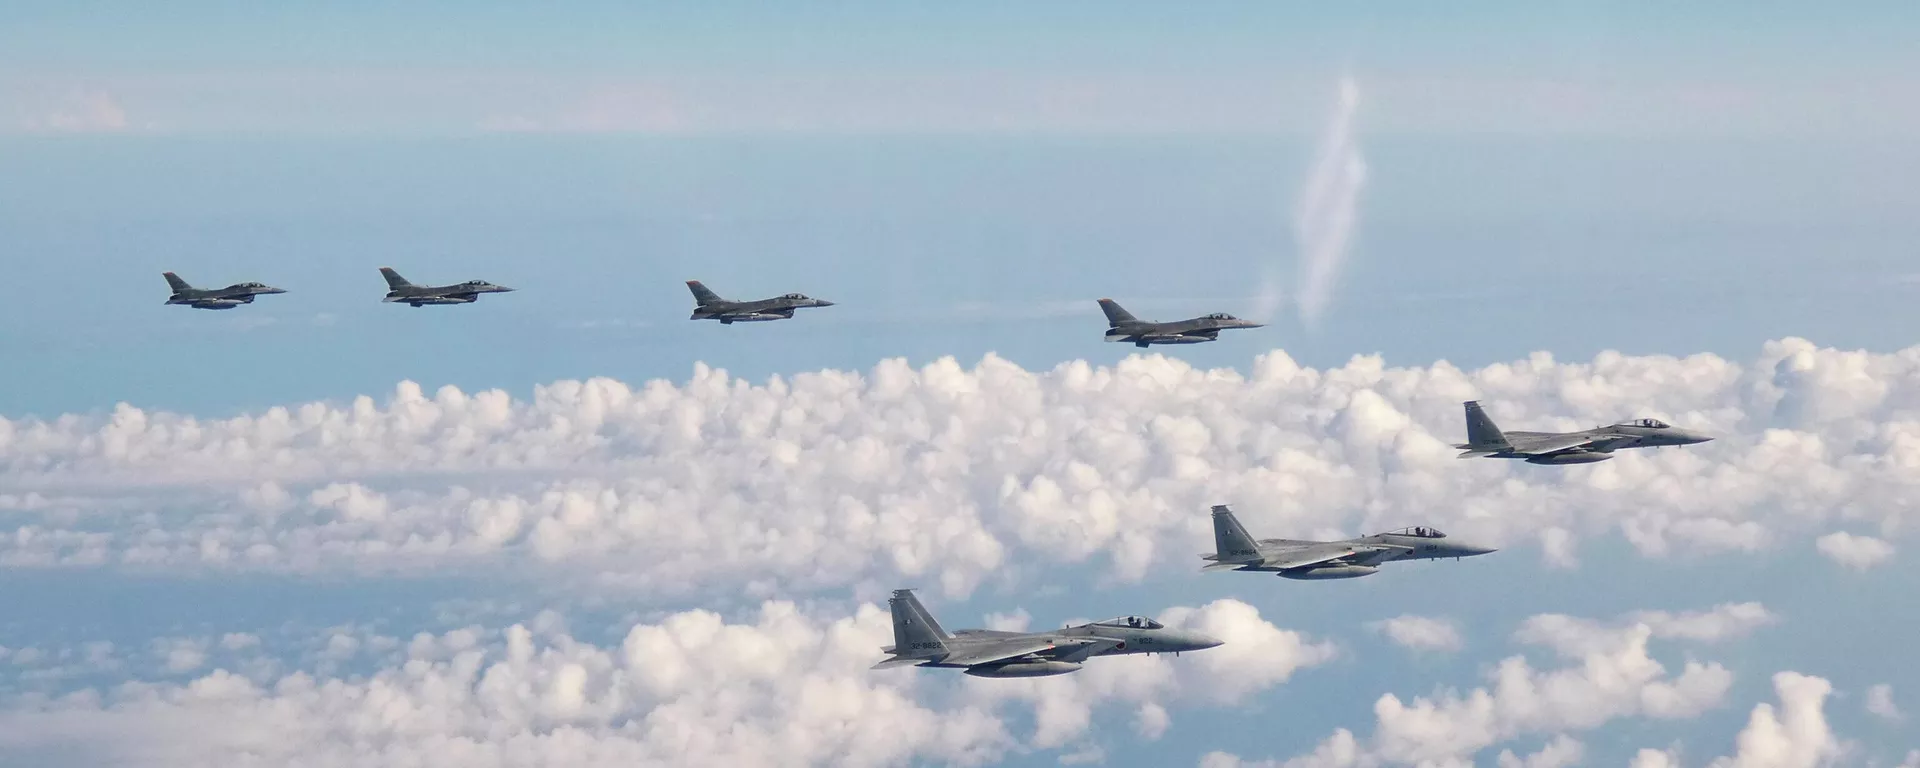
1471, 551
502, 289
822, 303
275, 290
1197, 641
1695, 437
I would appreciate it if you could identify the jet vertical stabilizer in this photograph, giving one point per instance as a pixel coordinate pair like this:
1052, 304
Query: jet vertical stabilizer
915, 633
394, 280
1231, 542
1116, 315
178, 285
702, 294
1482, 434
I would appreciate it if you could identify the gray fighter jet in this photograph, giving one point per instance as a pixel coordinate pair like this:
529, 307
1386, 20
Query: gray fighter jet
401, 291
919, 641
1583, 447
215, 298
1316, 560
1123, 326
709, 306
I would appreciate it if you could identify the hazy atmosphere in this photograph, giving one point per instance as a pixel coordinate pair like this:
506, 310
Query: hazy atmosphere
570, 526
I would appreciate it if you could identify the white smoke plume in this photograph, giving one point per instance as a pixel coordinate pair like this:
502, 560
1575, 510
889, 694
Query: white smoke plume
1326, 213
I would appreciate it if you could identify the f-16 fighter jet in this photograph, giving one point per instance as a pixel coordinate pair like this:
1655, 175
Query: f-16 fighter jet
1314, 560
1123, 326
401, 291
1583, 447
215, 298
919, 641
709, 306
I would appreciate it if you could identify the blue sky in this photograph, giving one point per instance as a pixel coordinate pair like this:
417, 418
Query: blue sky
963, 180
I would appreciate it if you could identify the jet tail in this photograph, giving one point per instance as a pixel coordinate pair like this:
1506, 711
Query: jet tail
702, 294
1231, 543
915, 633
1116, 315
394, 280
1482, 435
178, 285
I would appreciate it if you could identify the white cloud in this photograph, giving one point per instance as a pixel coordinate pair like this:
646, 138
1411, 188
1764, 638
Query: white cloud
1575, 637
1880, 704
687, 688
1607, 678
1562, 751
949, 477
1655, 758
1557, 548
180, 654
1857, 552
1420, 633
1793, 736
1151, 721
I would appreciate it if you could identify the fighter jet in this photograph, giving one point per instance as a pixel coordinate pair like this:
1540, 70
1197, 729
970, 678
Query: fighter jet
919, 641
1317, 560
709, 306
1123, 326
399, 290
1583, 447
215, 298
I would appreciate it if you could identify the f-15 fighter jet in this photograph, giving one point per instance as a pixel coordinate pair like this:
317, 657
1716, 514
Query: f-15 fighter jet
215, 298
1314, 560
1123, 326
919, 641
709, 306
403, 292
1583, 447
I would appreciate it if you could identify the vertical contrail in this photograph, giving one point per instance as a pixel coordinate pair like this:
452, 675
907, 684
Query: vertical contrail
1324, 218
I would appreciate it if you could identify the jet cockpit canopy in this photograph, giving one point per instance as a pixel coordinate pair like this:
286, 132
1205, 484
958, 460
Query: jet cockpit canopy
796, 296
1221, 316
1133, 622
1648, 423
1420, 531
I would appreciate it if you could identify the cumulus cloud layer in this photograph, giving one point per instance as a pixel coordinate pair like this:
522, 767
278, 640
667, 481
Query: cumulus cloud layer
689, 689
949, 476
1609, 676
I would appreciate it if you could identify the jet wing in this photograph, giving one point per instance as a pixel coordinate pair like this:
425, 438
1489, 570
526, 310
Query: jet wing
1086, 649
1375, 554
897, 662
1545, 444
987, 653
987, 633
1312, 554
